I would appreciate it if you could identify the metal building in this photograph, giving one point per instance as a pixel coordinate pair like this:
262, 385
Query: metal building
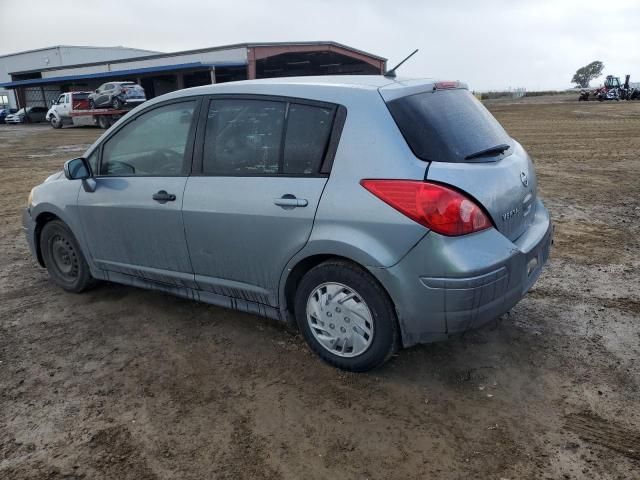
30, 64
159, 73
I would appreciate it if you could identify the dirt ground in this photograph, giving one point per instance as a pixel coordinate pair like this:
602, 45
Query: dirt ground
131, 384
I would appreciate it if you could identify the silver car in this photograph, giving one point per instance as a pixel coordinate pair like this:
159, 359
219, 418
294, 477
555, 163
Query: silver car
31, 115
372, 213
117, 95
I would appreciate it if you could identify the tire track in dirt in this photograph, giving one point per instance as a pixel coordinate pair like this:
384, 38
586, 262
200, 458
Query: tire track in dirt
628, 305
595, 429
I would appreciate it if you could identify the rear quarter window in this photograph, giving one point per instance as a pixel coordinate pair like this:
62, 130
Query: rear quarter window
308, 129
446, 125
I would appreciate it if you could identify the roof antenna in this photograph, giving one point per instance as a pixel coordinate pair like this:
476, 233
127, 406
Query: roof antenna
392, 73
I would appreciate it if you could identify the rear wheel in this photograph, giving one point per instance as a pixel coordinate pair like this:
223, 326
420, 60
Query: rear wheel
103, 122
346, 317
63, 258
116, 103
92, 104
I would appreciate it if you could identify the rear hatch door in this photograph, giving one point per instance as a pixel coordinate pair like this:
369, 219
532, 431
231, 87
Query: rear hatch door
467, 148
132, 90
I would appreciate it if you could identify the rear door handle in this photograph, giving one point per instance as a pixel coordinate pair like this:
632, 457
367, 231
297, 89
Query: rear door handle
290, 201
162, 196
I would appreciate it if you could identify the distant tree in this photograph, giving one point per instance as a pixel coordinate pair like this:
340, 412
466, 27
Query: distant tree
587, 73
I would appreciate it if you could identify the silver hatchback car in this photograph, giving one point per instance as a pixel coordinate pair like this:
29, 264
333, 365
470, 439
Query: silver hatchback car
373, 213
117, 95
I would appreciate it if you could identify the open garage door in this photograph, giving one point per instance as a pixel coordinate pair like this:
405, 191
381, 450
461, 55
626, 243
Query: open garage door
312, 63
38, 96
311, 59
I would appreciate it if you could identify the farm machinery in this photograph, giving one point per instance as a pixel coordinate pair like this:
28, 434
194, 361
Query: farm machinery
612, 89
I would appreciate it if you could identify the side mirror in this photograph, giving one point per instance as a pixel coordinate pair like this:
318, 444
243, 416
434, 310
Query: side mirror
97, 90
77, 169
53, 102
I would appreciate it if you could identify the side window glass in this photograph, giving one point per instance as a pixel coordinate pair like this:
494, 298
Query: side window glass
308, 129
61, 99
243, 137
152, 144
92, 160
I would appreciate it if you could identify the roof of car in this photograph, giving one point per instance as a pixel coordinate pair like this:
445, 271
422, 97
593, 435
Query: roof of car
325, 88
368, 82
310, 86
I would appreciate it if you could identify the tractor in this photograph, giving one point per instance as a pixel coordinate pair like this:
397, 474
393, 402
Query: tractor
612, 90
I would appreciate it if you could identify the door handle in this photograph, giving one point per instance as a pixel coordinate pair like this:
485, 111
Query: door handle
162, 196
290, 201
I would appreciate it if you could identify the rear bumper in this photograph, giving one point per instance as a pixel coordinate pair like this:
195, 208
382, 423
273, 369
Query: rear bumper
133, 101
447, 285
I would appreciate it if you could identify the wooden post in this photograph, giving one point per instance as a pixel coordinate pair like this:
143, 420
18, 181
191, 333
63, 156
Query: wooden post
213, 75
251, 64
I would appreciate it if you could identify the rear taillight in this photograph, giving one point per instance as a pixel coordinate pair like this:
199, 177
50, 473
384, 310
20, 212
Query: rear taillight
124, 90
435, 206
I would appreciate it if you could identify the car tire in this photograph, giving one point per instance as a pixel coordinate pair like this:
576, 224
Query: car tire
92, 104
55, 122
63, 258
116, 103
346, 317
103, 122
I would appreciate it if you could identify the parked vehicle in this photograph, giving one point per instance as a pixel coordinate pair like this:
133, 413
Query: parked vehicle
60, 111
351, 206
73, 108
32, 115
612, 89
6, 111
117, 95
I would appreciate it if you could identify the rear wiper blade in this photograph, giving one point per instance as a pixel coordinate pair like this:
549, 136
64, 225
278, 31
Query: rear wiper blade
489, 151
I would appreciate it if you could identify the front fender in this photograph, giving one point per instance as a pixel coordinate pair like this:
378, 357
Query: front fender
51, 113
59, 197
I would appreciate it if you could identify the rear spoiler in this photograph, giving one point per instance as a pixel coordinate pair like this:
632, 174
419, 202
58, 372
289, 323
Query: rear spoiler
404, 88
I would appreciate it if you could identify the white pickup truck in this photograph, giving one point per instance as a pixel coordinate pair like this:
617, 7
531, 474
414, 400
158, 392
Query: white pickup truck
73, 108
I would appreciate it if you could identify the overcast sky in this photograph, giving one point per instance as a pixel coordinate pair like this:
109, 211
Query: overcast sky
490, 44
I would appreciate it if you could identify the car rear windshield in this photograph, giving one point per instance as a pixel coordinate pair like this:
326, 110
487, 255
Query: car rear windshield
448, 126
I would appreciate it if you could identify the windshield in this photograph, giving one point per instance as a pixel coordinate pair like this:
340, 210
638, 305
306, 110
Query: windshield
449, 126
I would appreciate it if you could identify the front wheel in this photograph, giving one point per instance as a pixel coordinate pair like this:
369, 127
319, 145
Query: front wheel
116, 103
346, 317
92, 104
63, 258
55, 122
